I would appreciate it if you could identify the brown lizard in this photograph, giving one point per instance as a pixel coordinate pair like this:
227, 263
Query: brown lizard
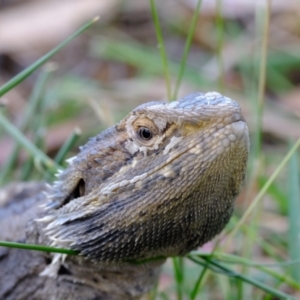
159, 183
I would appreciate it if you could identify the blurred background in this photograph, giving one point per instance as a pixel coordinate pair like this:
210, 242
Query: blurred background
248, 50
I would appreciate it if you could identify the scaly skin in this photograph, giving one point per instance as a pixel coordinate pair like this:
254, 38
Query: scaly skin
160, 183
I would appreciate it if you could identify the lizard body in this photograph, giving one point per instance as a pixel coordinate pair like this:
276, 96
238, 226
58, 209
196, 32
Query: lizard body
159, 183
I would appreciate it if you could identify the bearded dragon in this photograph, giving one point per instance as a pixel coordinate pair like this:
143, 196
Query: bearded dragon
160, 183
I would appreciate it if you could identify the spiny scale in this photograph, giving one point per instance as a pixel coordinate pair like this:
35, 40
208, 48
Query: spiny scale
126, 196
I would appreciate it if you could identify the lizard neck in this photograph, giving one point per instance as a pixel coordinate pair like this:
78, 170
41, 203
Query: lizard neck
116, 279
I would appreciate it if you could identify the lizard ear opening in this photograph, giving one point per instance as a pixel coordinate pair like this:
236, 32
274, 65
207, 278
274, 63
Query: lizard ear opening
78, 192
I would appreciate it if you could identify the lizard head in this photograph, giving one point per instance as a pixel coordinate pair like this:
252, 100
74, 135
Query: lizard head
159, 183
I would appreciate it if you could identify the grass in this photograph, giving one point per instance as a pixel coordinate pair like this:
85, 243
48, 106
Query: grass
214, 274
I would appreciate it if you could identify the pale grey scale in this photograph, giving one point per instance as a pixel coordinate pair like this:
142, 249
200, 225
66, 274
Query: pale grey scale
206, 112
196, 100
147, 104
143, 167
191, 100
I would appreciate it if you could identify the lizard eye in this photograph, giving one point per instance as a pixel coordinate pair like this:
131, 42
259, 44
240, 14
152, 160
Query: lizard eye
145, 133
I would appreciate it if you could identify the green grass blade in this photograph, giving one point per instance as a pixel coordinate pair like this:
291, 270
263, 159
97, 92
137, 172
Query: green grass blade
261, 79
262, 192
216, 266
186, 49
28, 165
69, 143
264, 267
294, 214
179, 275
37, 248
29, 115
161, 47
197, 285
277, 194
143, 58
22, 140
220, 42
25, 73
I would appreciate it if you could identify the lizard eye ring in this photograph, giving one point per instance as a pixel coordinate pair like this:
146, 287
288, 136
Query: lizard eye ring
145, 133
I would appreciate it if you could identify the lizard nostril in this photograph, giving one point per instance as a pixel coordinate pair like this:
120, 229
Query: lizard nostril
239, 129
